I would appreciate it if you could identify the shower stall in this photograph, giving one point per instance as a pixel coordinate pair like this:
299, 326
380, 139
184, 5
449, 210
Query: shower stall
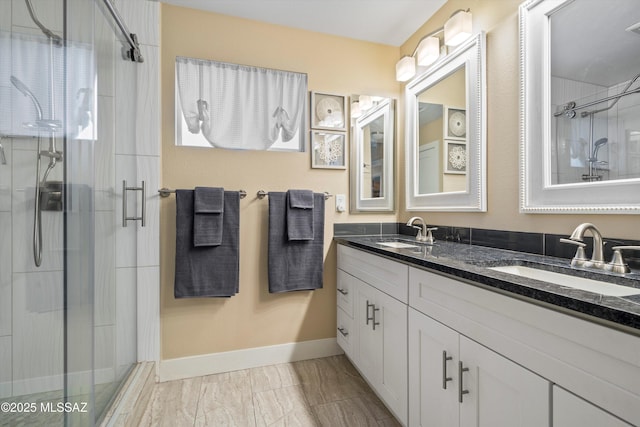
69, 272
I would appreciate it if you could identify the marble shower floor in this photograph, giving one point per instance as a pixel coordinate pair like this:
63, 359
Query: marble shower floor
317, 392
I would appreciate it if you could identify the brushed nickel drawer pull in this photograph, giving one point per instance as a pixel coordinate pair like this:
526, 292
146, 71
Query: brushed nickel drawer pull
461, 391
445, 378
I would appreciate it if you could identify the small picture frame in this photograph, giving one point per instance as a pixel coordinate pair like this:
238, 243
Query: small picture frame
328, 111
455, 157
455, 123
328, 149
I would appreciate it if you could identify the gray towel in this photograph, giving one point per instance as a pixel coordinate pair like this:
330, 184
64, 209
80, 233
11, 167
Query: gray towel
300, 214
208, 210
294, 265
206, 271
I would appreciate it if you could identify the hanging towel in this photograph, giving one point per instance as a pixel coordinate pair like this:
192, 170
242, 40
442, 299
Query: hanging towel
294, 265
208, 209
300, 214
206, 271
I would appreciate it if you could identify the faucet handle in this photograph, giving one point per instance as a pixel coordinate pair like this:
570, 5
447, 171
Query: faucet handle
429, 238
617, 264
579, 258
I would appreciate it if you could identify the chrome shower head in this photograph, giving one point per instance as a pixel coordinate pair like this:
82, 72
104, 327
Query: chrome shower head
599, 143
26, 92
596, 146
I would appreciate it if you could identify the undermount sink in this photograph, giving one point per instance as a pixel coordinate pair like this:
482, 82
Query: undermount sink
398, 245
574, 282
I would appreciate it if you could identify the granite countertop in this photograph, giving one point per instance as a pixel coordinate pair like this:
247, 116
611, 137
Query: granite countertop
471, 264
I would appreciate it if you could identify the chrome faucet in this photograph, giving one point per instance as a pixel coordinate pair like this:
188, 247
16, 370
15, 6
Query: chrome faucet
424, 233
617, 264
597, 259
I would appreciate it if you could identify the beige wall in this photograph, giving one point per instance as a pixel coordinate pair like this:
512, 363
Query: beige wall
254, 317
336, 65
499, 18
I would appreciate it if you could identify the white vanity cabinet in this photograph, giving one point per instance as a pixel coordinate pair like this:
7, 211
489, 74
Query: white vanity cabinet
376, 340
446, 352
520, 357
345, 289
455, 381
569, 411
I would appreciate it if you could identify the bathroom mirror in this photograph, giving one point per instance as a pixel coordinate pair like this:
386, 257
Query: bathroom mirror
372, 146
446, 132
580, 110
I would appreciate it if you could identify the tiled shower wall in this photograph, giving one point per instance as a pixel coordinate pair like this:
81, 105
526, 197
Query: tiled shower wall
126, 259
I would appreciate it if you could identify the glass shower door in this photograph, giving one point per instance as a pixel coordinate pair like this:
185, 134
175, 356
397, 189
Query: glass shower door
80, 238
32, 315
67, 298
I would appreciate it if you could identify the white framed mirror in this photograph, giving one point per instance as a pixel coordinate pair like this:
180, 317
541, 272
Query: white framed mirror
446, 132
373, 137
580, 106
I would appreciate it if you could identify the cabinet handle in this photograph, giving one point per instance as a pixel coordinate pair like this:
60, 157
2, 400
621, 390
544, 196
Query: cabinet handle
374, 317
343, 332
367, 313
343, 291
445, 378
461, 392
125, 216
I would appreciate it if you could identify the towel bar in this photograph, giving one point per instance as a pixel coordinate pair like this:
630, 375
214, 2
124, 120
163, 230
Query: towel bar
262, 194
166, 192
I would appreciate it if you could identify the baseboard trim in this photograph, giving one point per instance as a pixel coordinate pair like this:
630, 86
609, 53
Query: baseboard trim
215, 363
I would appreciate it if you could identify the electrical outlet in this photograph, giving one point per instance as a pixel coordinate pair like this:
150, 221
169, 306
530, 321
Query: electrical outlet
341, 203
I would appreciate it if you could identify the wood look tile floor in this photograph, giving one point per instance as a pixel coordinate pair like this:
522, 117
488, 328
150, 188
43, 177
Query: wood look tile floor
319, 392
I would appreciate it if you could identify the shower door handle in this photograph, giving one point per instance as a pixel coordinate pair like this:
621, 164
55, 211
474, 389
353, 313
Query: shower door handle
125, 216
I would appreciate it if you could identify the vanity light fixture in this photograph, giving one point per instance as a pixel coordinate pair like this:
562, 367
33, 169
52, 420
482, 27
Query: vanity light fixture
356, 111
362, 104
405, 68
366, 102
456, 30
428, 51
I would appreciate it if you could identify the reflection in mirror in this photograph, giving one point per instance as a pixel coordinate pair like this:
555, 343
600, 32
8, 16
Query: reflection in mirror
446, 133
594, 93
372, 154
373, 159
581, 106
442, 141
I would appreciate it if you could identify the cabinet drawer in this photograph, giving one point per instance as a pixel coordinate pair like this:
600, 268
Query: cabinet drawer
390, 277
419, 284
345, 333
345, 289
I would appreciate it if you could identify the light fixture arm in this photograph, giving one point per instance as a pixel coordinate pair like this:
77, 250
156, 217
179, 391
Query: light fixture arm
437, 31
431, 34
428, 49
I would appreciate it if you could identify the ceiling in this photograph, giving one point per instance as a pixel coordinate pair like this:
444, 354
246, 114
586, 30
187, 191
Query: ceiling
389, 22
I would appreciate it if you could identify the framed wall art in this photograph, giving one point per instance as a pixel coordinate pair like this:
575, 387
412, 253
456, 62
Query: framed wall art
328, 111
455, 123
328, 149
455, 157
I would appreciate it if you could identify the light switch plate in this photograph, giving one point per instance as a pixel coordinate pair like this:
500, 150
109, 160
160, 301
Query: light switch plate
341, 202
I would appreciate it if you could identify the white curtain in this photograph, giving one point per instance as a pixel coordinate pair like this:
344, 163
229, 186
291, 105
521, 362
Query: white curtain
240, 107
39, 67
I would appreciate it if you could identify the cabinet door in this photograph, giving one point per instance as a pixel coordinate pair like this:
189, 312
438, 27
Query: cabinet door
499, 393
433, 382
345, 333
369, 341
344, 291
392, 316
571, 411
